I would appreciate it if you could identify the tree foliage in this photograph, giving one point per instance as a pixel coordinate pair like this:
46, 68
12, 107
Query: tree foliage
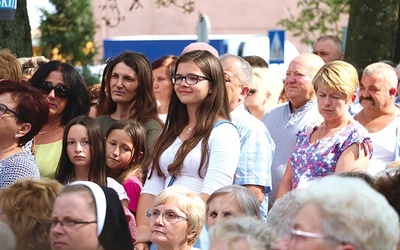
68, 32
317, 17
112, 15
372, 33
16, 35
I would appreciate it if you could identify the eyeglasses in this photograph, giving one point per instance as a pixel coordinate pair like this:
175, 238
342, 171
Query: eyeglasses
69, 224
190, 79
298, 233
168, 216
252, 91
59, 90
4, 109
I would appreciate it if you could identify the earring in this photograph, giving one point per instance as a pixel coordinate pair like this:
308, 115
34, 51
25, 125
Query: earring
16, 136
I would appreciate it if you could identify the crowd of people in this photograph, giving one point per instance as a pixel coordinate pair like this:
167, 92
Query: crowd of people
200, 151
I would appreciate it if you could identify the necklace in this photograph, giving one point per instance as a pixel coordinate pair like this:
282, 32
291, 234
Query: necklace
190, 129
329, 133
45, 132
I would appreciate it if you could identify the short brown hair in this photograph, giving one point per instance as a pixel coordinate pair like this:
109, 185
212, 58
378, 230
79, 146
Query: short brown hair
10, 67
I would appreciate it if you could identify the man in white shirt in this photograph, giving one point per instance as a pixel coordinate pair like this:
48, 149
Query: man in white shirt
379, 113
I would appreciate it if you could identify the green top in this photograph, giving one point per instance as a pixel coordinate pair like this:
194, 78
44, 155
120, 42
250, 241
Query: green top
152, 127
47, 158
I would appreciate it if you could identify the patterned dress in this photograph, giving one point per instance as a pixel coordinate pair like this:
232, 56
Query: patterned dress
316, 160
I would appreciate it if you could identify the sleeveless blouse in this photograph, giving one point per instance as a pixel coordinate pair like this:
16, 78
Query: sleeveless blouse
311, 161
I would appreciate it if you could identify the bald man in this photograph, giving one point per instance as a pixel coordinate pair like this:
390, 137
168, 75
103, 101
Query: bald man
284, 121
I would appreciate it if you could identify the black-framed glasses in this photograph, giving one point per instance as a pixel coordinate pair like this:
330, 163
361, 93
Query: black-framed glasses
4, 109
69, 224
168, 216
294, 233
59, 90
252, 91
190, 79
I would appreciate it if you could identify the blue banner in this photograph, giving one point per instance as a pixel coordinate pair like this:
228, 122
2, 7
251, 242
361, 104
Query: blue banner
9, 4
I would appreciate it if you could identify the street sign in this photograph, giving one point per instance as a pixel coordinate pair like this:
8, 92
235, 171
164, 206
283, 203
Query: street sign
277, 46
7, 9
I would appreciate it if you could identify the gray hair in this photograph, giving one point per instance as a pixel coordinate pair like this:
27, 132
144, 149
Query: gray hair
336, 41
384, 72
282, 213
353, 212
248, 203
255, 233
243, 72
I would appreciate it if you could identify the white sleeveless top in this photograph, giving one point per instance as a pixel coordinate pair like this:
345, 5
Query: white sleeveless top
384, 146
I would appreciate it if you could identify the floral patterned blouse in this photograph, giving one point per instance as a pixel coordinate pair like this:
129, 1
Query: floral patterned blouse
311, 161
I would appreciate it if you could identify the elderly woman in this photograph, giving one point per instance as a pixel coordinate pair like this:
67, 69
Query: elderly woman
176, 219
357, 217
243, 233
229, 202
23, 111
88, 216
67, 97
26, 207
339, 143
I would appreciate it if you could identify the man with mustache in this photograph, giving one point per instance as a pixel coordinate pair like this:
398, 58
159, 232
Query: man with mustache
379, 114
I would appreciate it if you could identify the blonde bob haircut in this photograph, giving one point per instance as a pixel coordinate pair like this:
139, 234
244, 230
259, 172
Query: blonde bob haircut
337, 75
190, 203
28, 205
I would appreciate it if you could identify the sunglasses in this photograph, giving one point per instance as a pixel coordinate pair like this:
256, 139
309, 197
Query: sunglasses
59, 90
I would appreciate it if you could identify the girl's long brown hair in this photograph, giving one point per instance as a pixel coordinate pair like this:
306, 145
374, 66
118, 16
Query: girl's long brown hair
137, 133
214, 107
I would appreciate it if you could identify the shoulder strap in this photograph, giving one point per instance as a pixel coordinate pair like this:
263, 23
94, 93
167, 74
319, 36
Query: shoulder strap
219, 122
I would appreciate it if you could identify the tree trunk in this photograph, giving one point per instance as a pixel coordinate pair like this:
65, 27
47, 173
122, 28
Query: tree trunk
16, 35
372, 31
397, 48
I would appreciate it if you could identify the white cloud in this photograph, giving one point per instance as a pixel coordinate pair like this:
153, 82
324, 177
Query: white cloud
34, 12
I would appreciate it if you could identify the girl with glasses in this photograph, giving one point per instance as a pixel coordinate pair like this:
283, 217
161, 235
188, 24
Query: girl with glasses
198, 148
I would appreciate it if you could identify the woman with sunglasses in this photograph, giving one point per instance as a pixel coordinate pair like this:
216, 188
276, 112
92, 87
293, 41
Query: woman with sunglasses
23, 112
67, 97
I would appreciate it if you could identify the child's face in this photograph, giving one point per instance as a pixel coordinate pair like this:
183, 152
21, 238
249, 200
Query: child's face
78, 148
119, 149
